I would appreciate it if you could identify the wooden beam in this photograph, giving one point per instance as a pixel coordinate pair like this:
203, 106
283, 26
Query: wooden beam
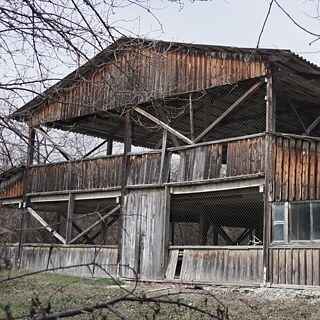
70, 217
243, 235
163, 125
51, 230
269, 177
95, 224
191, 118
224, 235
294, 109
163, 153
109, 146
231, 108
100, 231
312, 125
64, 153
124, 177
95, 148
75, 226
174, 140
26, 185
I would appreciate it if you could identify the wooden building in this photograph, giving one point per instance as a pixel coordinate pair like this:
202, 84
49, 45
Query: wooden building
226, 189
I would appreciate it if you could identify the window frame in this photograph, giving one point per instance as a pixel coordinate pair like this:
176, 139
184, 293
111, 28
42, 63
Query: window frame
287, 222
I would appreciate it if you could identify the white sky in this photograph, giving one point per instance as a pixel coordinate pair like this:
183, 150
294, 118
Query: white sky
233, 23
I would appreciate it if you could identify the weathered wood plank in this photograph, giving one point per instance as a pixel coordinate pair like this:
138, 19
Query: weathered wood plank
285, 170
292, 170
305, 171
298, 189
312, 171
278, 172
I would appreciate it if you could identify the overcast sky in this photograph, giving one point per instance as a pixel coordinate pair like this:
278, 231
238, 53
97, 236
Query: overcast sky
233, 23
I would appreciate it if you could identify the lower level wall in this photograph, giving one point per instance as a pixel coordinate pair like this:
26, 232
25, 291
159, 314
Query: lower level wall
294, 266
76, 260
235, 264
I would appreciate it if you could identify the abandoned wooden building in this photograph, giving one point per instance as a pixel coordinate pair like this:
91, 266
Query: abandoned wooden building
224, 186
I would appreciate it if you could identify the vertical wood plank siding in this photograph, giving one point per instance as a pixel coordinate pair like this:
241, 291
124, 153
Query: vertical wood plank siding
295, 266
297, 170
76, 175
12, 187
42, 257
246, 156
143, 235
197, 163
145, 169
138, 75
222, 265
242, 157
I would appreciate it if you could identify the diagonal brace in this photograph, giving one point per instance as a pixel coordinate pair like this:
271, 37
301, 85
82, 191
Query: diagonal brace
163, 125
95, 224
231, 108
50, 229
65, 154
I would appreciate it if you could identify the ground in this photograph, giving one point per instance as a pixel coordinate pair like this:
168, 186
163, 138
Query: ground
30, 295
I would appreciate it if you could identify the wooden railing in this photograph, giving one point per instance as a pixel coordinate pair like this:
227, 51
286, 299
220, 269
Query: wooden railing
229, 158
202, 162
89, 174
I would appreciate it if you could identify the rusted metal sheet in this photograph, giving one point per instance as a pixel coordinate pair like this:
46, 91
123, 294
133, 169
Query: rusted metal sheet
76, 175
246, 156
295, 266
221, 265
144, 73
296, 175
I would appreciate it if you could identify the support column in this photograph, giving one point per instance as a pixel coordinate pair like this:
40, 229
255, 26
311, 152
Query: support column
125, 163
70, 218
25, 214
109, 147
269, 173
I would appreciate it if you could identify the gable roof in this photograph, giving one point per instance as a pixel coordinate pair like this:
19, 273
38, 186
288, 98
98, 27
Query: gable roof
291, 60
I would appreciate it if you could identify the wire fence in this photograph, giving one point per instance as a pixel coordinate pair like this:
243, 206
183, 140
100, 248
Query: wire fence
217, 218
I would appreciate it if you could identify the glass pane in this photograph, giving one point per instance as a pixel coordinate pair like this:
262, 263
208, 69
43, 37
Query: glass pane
300, 221
278, 234
316, 220
279, 212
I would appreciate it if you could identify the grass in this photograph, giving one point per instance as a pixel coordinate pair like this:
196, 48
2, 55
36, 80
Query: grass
67, 292
62, 291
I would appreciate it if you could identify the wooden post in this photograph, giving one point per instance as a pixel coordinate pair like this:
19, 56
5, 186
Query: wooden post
269, 172
167, 230
57, 226
125, 165
191, 118
163, 155
109, 146
70, 218
25, 214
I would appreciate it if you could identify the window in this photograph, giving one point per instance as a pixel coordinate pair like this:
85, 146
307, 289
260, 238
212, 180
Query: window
296, 221
300, 221
279, 222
